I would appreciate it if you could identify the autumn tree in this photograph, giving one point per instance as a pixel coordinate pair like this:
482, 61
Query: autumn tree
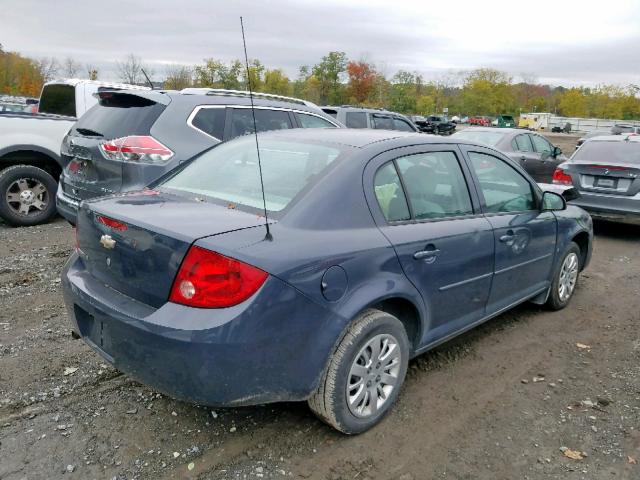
362, 77
130, 70
216, 74
573, 103
19, 75
70, 68
92, 72
328, 73
276, 82
178, 77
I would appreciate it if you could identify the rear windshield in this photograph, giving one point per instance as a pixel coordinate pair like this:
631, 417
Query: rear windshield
488, 138
120, 115
609, 152
58, 100
228, 174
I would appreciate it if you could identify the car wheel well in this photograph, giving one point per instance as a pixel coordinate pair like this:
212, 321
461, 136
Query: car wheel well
582, 240
35, 159
405, 311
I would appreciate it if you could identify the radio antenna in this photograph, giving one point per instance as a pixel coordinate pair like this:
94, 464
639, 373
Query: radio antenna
147, 77
255, 131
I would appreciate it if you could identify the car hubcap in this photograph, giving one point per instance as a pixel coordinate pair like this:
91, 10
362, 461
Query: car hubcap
373, 375
568, 277
27, 196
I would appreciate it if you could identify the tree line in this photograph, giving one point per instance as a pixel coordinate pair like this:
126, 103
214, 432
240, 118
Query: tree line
338, 80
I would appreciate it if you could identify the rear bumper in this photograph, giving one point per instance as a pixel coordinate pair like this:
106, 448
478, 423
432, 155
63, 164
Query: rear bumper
66, 206
614, 208
273, 347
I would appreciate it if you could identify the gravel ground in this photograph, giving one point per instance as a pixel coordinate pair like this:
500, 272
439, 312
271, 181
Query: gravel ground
515, 398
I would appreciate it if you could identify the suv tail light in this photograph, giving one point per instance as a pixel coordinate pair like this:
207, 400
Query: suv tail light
208, 279
562, 178
136, 149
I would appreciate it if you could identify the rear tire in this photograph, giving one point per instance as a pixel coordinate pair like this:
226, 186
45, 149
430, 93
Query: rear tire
27, 195
370, 363
565, 278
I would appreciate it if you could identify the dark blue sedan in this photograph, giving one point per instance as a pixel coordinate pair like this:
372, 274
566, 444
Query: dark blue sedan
382, 245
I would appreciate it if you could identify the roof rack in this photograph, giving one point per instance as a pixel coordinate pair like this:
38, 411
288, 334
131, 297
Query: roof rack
244, 93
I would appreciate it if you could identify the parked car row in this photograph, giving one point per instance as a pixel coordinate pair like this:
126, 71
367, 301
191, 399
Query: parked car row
434, 124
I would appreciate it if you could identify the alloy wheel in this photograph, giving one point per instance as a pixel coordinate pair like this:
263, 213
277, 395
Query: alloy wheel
27, 196
568, 277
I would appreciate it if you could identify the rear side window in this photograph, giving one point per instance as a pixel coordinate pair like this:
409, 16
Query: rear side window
382, 123
58, 100
330, 111
522, 144
389, 193
435, 185
356, 120
242, 121
311, 121
210, 121
503, 188
120, 115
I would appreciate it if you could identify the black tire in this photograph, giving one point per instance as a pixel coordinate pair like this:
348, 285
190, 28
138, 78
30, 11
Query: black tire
330, 401
44, 197
556, 301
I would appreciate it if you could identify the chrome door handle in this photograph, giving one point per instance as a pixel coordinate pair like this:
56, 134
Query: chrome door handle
508, 238
429, 255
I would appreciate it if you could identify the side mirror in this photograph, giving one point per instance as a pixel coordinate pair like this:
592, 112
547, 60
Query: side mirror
552, 201
570, 194
557, 151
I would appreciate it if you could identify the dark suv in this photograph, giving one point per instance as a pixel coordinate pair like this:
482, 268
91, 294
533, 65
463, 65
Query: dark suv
356, 117
131, 138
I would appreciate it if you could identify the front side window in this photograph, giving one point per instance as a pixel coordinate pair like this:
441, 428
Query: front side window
522, 144
356, 120
402, 125
435, 185
503, 188
242, 121
228, 174
210, 121
382, 122
389, 193
540, 144
311, 121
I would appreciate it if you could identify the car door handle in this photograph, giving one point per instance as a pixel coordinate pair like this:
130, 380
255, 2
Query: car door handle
523, 158
429, 254
508, 238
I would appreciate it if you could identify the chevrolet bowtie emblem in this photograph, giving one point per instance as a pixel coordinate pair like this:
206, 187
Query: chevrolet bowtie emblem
107, 242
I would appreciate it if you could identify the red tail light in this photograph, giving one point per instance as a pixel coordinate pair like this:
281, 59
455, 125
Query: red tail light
207, 279
110, 222
559, 176
136, 149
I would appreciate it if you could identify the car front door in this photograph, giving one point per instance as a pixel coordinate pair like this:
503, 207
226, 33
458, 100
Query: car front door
422, 204
525, 236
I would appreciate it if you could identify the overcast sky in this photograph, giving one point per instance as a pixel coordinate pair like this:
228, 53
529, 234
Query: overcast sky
559, 42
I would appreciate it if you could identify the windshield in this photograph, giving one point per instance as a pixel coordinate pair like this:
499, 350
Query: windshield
486, 137
228, 174
609, 152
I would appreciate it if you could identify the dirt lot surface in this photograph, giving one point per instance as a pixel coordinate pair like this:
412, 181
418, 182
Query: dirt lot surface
513, 399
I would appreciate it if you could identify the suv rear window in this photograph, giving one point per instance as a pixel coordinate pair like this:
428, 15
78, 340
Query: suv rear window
58, 100
242, 121
120, 115
210, 121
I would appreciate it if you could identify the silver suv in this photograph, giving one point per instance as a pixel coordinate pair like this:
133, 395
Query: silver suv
355, 117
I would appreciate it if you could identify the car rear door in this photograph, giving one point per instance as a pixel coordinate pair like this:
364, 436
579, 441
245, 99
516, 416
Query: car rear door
266, 119
422, 204
524, 236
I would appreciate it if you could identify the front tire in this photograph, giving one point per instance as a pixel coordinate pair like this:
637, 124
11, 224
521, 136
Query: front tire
364, 374
27, 195
565, 278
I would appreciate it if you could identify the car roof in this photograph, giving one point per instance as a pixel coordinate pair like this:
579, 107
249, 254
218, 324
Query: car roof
493, 129
357, 137
615, 138
361, 109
